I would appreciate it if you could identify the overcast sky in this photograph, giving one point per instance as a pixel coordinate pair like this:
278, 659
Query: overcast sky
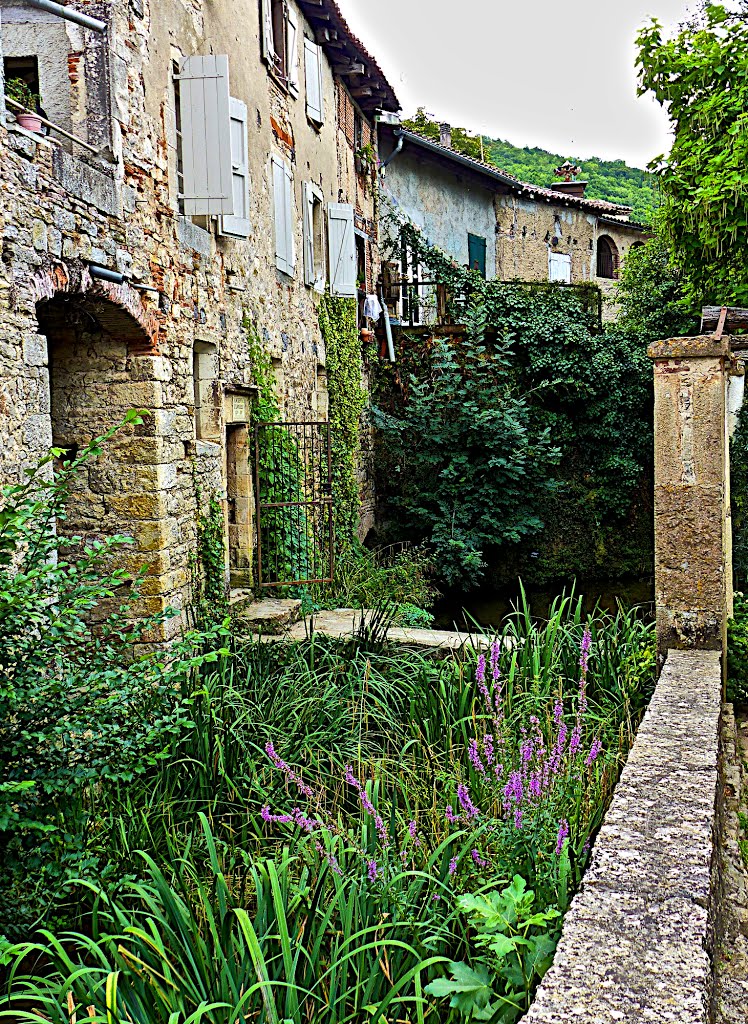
552, 73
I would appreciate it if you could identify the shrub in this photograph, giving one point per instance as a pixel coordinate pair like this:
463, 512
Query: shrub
737, 652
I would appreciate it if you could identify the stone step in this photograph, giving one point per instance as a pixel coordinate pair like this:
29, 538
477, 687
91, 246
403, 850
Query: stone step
269, 616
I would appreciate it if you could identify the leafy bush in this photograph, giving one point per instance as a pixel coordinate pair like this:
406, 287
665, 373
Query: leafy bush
737, 652
400, 574
79, 706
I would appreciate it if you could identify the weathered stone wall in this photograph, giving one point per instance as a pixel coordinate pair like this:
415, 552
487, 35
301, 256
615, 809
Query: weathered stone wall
115, 347
638, 940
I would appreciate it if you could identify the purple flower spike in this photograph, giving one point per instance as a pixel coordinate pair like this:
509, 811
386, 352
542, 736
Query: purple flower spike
488, 748
518, 818
575, 741
368, 806
281, 765
475, 757
558, 712
373, 871
563, 835
514, 790
453, 865
595, 750
450, 815
480, 669
495, 652
413, 830
478, 860
585, 650
465, 802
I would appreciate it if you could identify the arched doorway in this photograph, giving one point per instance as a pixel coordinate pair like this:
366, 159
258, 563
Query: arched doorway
608, 260
101, 364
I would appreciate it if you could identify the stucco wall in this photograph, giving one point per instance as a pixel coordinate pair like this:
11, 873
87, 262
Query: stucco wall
445, 205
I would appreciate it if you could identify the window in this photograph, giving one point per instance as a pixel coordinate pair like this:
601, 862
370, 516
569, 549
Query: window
607, 257
559, 267
477, 254
285, 254
206, 391
280, 34
341, 245
203, 137
314, 237
315, 104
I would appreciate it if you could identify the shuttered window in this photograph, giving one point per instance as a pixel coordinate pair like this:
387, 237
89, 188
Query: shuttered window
285, 257
205, 136
314, 237
477, 254
315, 106
559, 267
266, 29
292, 52
342, 249
238, 222
607, 257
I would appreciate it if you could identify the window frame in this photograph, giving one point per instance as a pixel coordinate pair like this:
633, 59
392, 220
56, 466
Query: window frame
315, 256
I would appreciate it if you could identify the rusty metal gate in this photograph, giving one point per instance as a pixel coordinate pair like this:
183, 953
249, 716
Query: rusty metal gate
293, 489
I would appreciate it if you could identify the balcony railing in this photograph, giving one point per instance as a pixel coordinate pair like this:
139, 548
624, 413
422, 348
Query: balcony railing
52, 126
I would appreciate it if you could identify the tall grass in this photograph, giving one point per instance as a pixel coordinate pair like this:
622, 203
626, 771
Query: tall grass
228, 889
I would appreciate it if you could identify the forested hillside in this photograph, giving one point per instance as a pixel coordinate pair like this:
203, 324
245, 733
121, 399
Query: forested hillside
613, 180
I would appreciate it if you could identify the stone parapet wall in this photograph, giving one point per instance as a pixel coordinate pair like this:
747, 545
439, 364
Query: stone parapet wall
638, 940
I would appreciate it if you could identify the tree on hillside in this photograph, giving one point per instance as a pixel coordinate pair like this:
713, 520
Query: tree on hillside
700, 76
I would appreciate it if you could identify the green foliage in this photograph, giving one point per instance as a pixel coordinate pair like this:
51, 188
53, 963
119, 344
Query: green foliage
612, 180
699, 75
517, 944
471, 461
228, 914
737, 652
208, 564
651, 294
739, 499
80, 704
347, 396
400, 574
18, 90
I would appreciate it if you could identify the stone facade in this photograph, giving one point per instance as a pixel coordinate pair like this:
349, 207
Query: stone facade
168, 332
530, 233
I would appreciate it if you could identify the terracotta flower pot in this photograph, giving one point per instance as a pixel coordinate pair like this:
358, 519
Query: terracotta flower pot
30, 122
367, 335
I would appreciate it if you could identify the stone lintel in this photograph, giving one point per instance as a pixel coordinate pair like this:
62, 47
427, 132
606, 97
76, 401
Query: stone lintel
638, 939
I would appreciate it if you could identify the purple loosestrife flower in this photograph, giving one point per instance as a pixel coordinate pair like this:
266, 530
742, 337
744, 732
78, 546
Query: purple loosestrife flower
332, 861
535, 785
465, 802
595, 749
514, 790
576, 740
413, 830
368, 806
518, 818
526, 751
372, 871
498, 770
558, 712
450, 815
281, 765
488, 748
585, 651
563, 835
478, 860
495, 653
275, 819
475, 757
480, 669
453, 865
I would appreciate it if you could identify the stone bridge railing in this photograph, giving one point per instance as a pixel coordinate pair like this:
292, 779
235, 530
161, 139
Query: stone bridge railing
638, 941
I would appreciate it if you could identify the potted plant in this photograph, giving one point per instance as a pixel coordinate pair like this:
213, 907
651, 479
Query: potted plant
16, 89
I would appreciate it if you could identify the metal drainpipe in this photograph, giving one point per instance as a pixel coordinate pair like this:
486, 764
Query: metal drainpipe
398, 149
69, 14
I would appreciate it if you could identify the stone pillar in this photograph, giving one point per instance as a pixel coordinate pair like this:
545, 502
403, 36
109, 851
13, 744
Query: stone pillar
693, 536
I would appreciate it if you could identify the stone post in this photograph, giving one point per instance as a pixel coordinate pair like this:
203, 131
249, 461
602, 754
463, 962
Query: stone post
693, 536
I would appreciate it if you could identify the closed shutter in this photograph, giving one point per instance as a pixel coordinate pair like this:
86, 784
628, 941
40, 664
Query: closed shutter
206, 136
266, 32
238, 223
285, 257
559, 267
342, 249
315, 106
477, 254
292, 52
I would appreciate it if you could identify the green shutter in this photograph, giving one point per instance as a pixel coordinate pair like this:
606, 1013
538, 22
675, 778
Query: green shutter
477, 254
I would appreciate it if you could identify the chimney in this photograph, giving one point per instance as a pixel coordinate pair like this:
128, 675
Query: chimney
445, 135
570, 188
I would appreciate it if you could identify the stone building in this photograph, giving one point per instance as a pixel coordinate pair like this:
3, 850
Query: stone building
506, 228
203, 175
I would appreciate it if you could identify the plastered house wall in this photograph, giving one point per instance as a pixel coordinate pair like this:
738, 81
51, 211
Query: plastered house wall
77, 352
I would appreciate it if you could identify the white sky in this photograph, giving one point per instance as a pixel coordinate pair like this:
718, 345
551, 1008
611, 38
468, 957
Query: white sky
552, 73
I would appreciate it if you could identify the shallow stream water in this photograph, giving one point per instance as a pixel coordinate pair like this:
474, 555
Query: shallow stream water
488, 607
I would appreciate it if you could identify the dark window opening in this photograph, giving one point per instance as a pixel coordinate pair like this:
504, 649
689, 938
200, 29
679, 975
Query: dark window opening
607, 258
358, 132
279, 36
477, 254
25, 68
178, 133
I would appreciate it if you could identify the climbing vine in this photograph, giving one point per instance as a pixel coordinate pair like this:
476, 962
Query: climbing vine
208, 563
347, 396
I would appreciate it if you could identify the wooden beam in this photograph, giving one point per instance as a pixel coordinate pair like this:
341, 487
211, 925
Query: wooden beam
349, 69
358, 93
735, 319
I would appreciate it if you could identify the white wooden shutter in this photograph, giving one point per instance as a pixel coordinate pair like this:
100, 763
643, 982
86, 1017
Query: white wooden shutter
266, 31
315, 106
285, 256
559, 267
206, 136
342, 249
292, 52
238, 222
314, 269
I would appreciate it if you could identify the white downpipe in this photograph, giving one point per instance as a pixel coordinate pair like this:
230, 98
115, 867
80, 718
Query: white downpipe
69, 14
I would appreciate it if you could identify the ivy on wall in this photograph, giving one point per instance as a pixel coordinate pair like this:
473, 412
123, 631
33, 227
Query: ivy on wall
208, 563
347, 398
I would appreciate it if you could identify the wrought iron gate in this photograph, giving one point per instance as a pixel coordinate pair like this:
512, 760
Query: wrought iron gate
293, 488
